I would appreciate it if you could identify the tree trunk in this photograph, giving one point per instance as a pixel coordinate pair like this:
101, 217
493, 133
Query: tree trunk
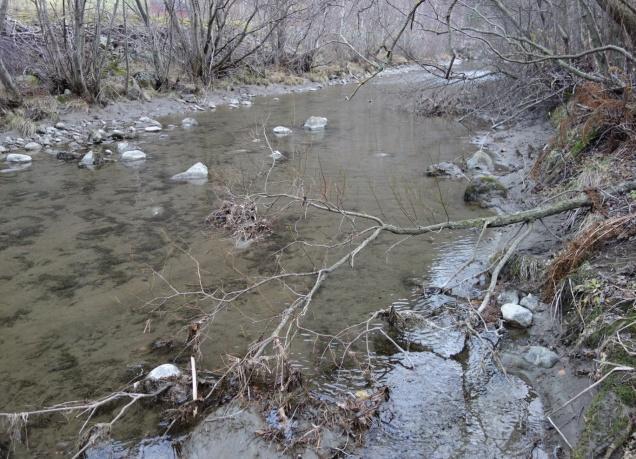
4, 6
15, 98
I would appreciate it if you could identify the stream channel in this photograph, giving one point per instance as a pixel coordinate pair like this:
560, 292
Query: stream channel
80, 251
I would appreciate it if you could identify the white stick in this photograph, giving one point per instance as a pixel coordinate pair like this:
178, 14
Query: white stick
195, 396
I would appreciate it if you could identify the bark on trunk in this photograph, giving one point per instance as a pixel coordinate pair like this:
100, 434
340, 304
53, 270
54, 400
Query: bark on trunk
4, 6
15, 98
623, 12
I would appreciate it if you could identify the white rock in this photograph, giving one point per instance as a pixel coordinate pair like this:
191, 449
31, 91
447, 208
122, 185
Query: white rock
88, 159
32, 146
153, 129
281, 130
165, 371
247, 103
133, 155
3, 149
276, 155
197, 172
211, 106
480, 160
541, 357
15, 167
234, 102
60, 126
516, 315
315, 123
18, 158
189, 122
124, 146
146, 120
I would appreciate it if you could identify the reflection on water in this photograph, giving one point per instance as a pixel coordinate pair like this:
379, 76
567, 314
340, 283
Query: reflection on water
79, 248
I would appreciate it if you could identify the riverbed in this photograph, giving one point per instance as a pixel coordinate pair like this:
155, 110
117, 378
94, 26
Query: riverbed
86, 253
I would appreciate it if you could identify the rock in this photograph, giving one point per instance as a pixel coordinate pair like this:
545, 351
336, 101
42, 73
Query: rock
315, 123
18, 158
540, 356
133, 155
3, 149
516, 315
149, 121
67, 92
276, 155
211, 106
153, 129
480, 161
508, 296
88, 159
444, 170
66, 156
61, 126
96, 136
197, 172
281, 130
117, 134
246, 103
531, 302
189, 122
124, 146
33, 146
163, 372
482, 188
234, 102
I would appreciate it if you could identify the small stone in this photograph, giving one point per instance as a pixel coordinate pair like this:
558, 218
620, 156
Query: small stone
540, 356
165, 371
315, 123
3, 149
153, 129
444, 170
150, 121
67, 92
124, 146
481, 161
189, 122
211, 106
88, 159
516, 315
133, 155
531, 302
276, 155
96, 136
281, 130
482, 188
246, 103
508, 296
197, 172
18, 158
61, 126
234, 102
33, 146
117, 134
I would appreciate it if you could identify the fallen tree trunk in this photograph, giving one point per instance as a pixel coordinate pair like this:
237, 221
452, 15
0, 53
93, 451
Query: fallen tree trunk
299, 307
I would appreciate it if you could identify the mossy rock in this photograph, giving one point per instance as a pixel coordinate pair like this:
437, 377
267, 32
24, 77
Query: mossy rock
484, 187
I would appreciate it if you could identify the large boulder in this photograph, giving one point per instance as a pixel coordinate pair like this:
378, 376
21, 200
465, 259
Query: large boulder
480, 160
18, 158
483, 188
315, 123
197, 172
508, 296
516, 315
540, 356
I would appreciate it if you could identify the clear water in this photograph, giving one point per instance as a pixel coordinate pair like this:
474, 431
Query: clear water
80, 249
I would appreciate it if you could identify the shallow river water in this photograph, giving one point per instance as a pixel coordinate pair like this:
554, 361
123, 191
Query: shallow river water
84, 252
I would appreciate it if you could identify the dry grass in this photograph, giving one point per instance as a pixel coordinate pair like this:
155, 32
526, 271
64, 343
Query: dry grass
589, 239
